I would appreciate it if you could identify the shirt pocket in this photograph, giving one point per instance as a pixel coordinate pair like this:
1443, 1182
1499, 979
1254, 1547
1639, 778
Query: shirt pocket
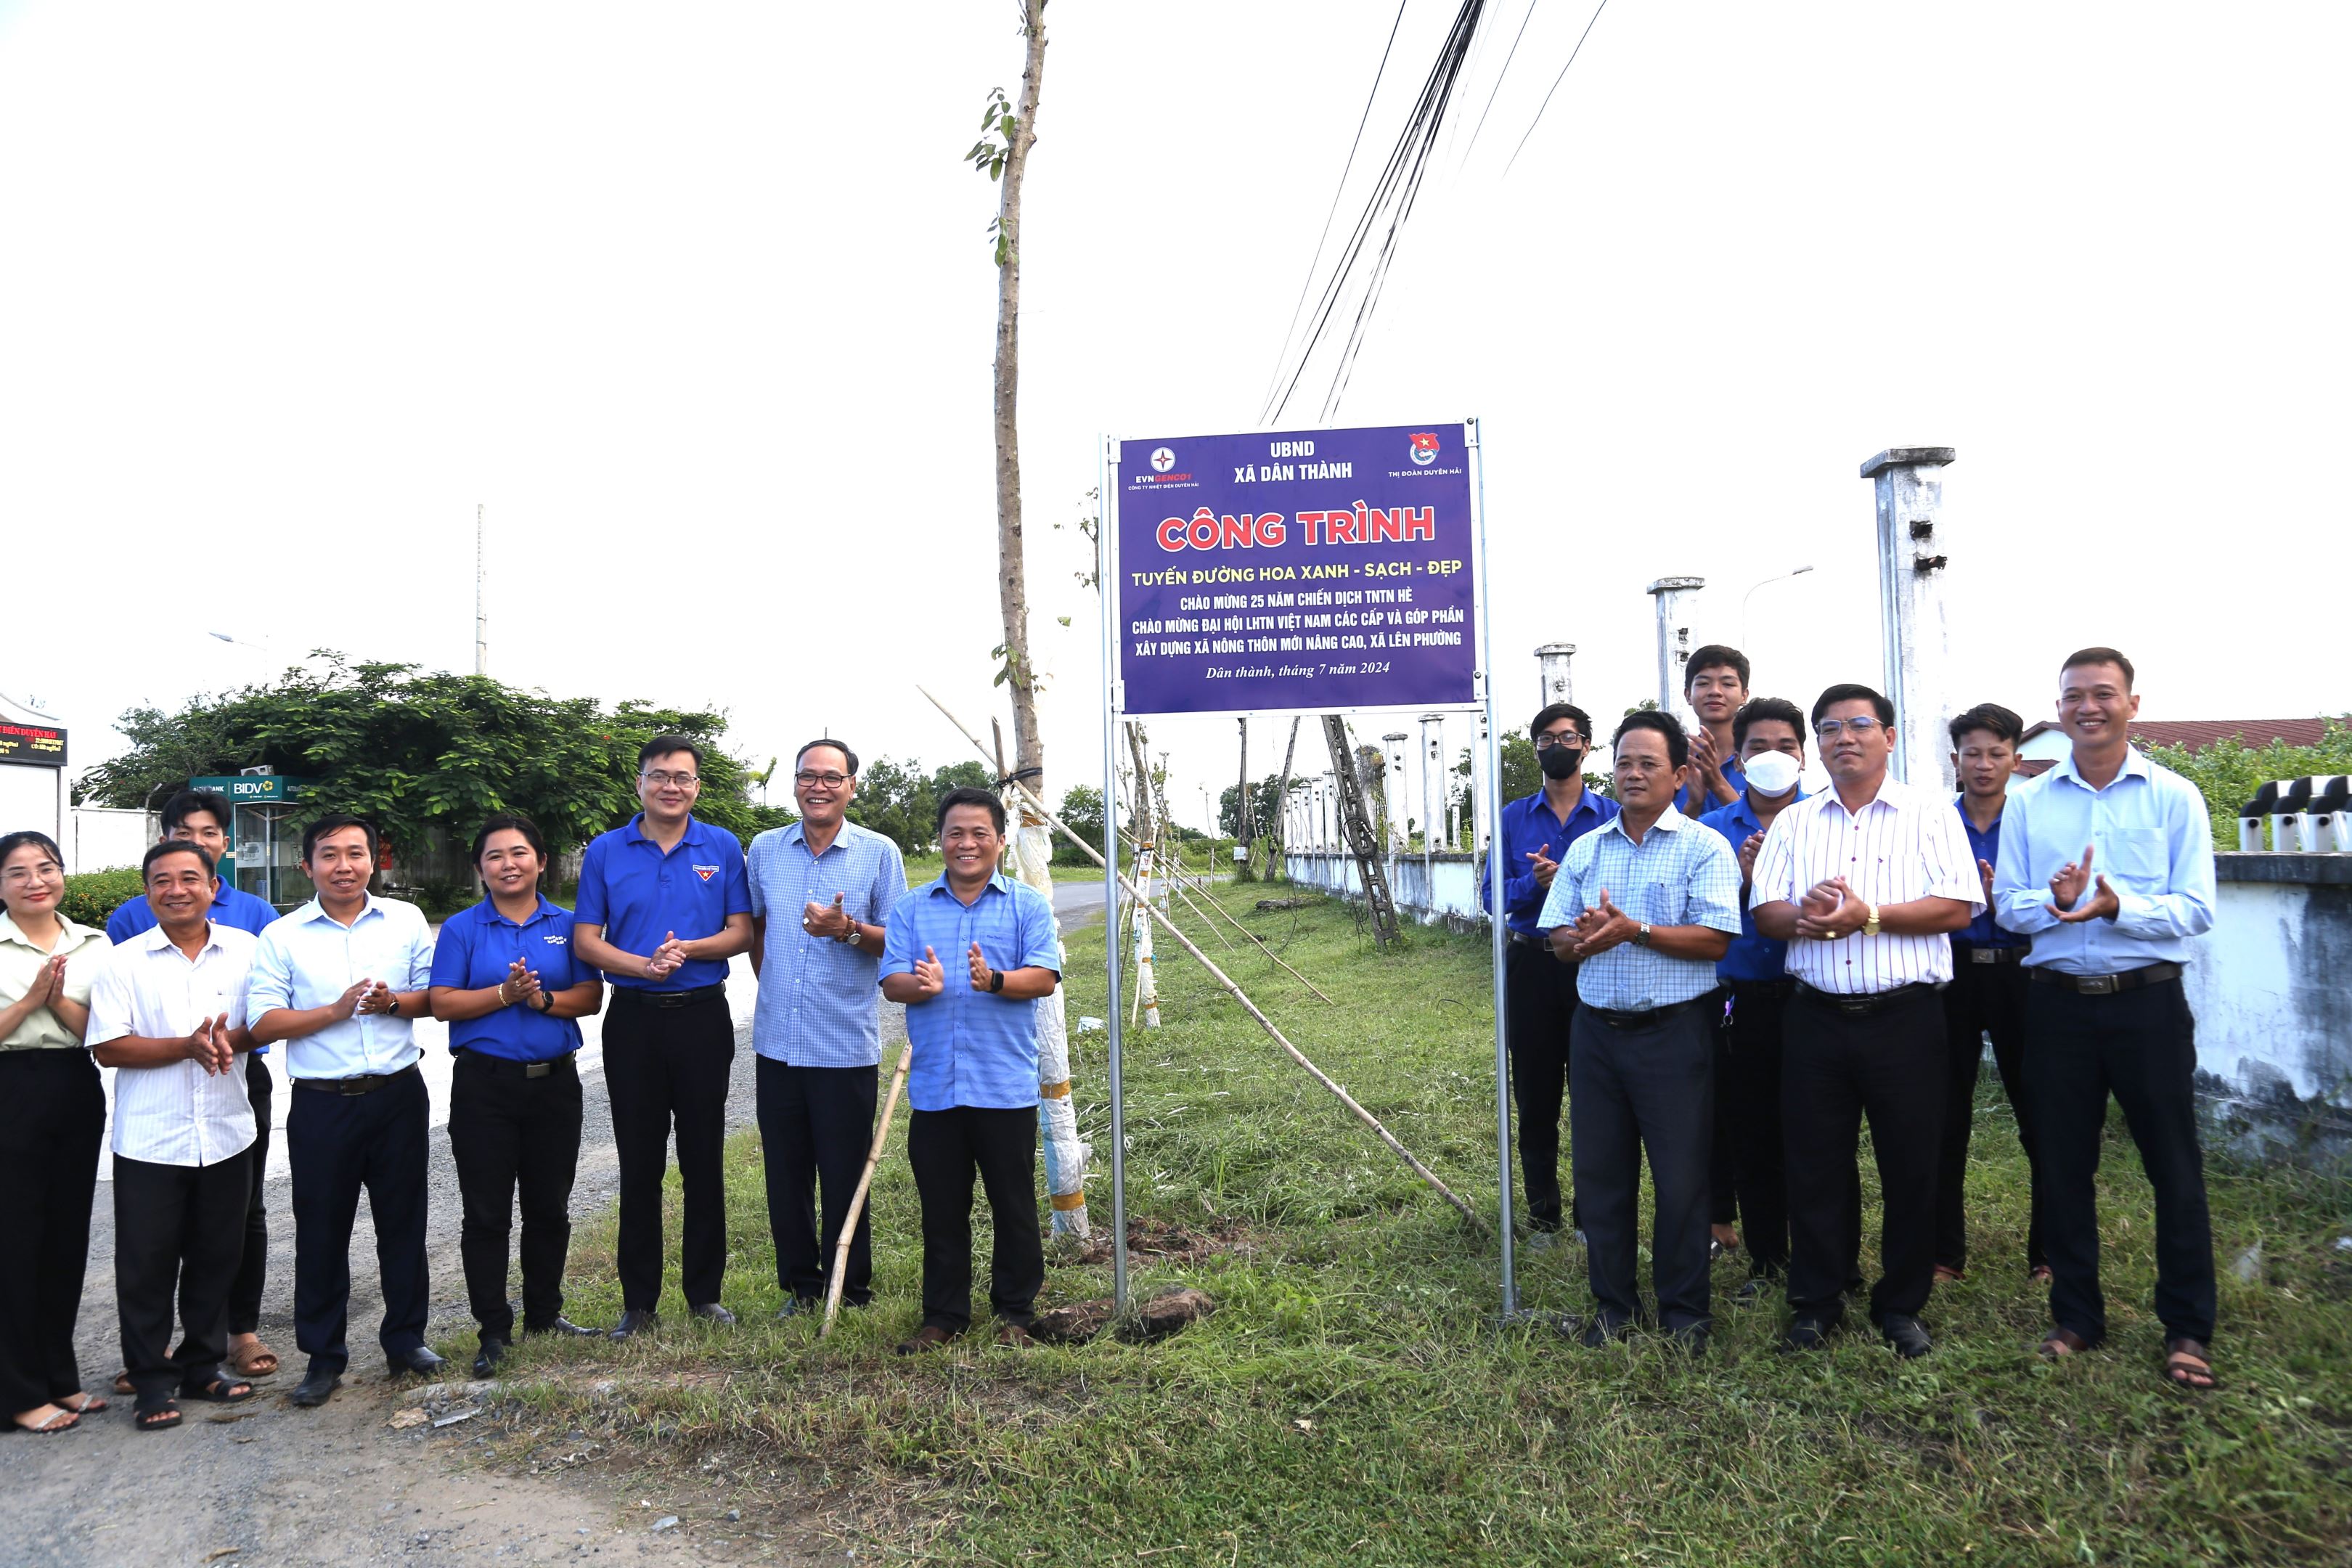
2134, 858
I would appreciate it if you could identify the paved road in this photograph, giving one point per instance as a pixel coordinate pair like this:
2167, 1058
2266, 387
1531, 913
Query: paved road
330, 1486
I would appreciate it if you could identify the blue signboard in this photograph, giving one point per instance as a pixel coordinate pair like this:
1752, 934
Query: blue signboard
1308, 571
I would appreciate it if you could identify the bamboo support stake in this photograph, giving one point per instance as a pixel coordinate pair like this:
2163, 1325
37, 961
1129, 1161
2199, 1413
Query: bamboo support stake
857, 1198
1238, 995
1245, 931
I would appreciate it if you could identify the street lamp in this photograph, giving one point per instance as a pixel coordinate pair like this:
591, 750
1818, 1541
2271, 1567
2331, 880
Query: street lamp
1781, 577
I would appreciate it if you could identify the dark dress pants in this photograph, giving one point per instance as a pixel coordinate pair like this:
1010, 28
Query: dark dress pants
1983, 999
510, 1132
2141, 1047
1723, 1206
52, 1118
178, 1229
944, 1149
1836, 1068
337, 1144
1651, 1087
1539, 1010
253, 1258
665, 1067
816, 1125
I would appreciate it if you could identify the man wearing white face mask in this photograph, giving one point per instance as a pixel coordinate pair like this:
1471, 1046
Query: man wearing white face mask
1769, 736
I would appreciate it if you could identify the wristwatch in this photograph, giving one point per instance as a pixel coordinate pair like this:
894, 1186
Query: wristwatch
856, 937
545, 1002
995, 981
1642, 936
1870, 926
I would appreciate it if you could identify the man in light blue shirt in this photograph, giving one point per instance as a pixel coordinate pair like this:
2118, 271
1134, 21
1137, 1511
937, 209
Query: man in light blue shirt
1646, 906
2106, 862
822, 891
339, 980
968, 955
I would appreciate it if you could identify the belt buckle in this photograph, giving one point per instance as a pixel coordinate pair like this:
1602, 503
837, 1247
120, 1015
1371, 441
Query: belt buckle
1984, 955
537, 1070
2096, 986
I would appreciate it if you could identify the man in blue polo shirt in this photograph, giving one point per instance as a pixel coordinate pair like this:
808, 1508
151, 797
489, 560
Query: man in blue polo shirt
663, 904
1769, 737
1987, 995
1540, 989
968, 954
201, 817
822, 892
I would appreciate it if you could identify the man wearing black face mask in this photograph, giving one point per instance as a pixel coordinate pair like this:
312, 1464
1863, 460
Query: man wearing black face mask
1539, 991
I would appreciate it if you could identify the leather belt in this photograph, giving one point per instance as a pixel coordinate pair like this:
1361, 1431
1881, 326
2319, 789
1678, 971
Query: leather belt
366, 1083
1971, 953
509, 1064
1761, 987
638, 996
1863, 1005
2108, 984
1648, 1017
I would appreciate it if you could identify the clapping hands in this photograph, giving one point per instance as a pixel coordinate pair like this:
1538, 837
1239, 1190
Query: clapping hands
209, 1047
667, 959
1831, 910
2067, 888
1602, 927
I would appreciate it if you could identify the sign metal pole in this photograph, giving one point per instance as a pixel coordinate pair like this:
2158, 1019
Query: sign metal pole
1496, 926
1107, 557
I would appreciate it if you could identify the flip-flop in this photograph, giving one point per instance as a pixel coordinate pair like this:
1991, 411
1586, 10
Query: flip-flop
2060, 1343
220, 1391
2188, 1365
163, 1418
122, 1381
249, 1360
91, 1404
63, 1420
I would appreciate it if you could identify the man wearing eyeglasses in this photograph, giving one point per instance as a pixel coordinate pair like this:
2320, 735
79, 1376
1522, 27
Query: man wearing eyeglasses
1865, 881
1539, 989
664, 903
822, 891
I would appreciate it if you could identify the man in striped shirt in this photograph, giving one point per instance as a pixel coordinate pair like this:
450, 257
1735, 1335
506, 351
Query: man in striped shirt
1865, 881
1644, 907
169, 1015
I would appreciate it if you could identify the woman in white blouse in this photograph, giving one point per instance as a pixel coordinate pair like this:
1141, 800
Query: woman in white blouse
52, 1114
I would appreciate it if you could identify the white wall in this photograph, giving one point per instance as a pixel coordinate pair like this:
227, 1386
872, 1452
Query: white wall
2269, 986
104, 836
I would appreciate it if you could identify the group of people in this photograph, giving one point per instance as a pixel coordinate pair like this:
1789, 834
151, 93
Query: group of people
194, 982
1728, 974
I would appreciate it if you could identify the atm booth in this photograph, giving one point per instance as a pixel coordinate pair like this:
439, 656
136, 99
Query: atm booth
265, 848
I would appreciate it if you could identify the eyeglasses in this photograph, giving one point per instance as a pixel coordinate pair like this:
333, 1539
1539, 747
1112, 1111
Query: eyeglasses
662, 780
830, 780
1546, 742
1861, 728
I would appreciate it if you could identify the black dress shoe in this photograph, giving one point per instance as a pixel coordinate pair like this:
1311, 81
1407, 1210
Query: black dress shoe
634, 1321
562, 1325
712, 1312
801, 1307
420, 1361
315, 1386
493, 1350
1600, 1331
1908, 1335
1804, 1334
1692, 1339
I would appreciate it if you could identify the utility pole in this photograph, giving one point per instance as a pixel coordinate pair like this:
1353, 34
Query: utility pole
1909, 482
481, 621
1674, 635
1356, 823
1285, 807
1244, 832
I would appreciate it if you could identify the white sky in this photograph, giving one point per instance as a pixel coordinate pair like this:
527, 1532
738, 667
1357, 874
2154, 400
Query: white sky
697, 302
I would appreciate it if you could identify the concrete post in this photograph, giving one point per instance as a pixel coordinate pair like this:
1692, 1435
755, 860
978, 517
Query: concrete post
1552, 661
1393, 796
1480, 824
1912, 552
1433, 806
1326, 789
1673, 636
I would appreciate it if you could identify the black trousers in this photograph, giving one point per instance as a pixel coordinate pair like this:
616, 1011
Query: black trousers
2141, 1047
52, 1118
337, 1144
509, 1132
1722, 1153
1983, 999
816, 1125
1649, 1089
944, 1149
1747, 1103
667, 1067
1539, 1009
253, 1261
1836, 1068
178, 1229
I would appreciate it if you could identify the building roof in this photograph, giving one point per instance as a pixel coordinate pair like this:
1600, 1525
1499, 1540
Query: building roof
2196, 735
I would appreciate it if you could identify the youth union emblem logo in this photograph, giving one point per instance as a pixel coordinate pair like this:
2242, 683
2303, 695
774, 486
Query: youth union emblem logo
1424, 449
706, 872
1162, 459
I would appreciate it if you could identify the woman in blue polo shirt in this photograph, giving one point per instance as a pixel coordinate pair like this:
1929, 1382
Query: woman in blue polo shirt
505, 982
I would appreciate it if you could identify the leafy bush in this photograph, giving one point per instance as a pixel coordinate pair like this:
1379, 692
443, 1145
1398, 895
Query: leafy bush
2230, 771
92, 896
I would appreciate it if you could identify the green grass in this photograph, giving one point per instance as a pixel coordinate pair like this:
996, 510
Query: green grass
1352, 1402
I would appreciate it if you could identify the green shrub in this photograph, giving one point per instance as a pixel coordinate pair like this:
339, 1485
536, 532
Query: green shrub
2229, 772
94, 895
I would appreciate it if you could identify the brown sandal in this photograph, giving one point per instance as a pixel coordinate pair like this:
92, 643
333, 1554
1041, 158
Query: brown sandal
2060, 1343
2188, 1365
255, 1360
